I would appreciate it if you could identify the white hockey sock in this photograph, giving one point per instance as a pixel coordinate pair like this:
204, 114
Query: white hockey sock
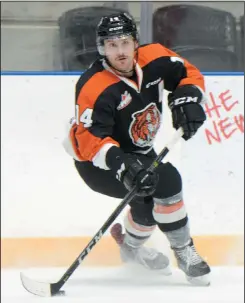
136, 234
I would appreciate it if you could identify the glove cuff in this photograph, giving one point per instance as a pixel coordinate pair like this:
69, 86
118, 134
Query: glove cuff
115, 158
184, 95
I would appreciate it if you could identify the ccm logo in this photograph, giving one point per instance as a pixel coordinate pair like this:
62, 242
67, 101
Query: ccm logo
153, 83
185, 100
115, 28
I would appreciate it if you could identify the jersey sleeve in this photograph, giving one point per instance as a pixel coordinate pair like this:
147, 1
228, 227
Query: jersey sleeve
176, 71
91, 135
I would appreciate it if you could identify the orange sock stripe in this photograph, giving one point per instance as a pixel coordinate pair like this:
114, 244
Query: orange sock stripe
168, 209
139, 227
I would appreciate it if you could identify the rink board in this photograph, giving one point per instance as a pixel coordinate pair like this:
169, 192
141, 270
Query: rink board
49, 215
217, 250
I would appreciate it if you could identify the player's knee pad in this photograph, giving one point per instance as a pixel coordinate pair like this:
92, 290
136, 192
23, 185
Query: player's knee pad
170, 182
139, 220
170, 213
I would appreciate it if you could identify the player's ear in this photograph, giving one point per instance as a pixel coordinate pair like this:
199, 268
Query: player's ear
136, 44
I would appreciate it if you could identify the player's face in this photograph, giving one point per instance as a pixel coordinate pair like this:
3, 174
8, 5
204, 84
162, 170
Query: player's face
120, 53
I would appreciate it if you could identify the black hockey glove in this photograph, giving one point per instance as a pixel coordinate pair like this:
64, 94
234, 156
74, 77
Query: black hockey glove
130, 171
187, 112
136, 174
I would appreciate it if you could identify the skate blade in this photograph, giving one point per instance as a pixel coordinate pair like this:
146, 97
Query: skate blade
199, 281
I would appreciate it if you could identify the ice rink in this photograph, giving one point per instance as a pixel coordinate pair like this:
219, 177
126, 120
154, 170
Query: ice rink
127, 284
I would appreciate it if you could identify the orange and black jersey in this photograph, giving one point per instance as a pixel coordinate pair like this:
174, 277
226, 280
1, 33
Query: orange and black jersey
114, 110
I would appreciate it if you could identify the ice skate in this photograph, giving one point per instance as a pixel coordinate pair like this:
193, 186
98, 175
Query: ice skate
195, 268
147, 257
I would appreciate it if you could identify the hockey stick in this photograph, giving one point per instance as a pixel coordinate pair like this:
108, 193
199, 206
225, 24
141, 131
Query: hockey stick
45, 289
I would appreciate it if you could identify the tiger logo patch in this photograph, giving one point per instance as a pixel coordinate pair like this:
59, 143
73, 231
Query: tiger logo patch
145, 125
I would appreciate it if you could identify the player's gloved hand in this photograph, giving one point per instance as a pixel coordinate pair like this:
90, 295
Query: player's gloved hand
130, 171
136, 174
187, 112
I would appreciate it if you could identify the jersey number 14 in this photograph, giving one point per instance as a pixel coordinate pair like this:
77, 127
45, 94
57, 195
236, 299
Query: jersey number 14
85, 117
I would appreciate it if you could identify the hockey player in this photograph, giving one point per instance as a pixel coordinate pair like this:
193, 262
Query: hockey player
118, 113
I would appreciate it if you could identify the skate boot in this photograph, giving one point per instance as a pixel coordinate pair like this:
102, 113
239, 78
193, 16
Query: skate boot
147, 257
195, 268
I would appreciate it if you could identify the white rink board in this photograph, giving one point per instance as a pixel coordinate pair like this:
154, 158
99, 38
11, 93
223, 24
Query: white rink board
42, 194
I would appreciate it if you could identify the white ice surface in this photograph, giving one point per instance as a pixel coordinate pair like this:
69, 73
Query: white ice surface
127, 285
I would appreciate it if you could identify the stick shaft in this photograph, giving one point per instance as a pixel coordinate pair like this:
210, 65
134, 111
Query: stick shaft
127, 199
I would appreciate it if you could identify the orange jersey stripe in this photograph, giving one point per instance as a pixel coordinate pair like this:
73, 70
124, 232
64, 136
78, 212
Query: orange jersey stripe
85, 144
152, 52
95, 86
149, 53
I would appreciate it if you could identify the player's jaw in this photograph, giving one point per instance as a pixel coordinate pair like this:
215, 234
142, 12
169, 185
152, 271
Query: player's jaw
123, 63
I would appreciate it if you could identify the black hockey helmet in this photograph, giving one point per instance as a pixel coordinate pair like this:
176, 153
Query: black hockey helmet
115, 25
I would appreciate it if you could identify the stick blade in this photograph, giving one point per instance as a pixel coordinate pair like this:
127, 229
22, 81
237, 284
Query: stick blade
41, 289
